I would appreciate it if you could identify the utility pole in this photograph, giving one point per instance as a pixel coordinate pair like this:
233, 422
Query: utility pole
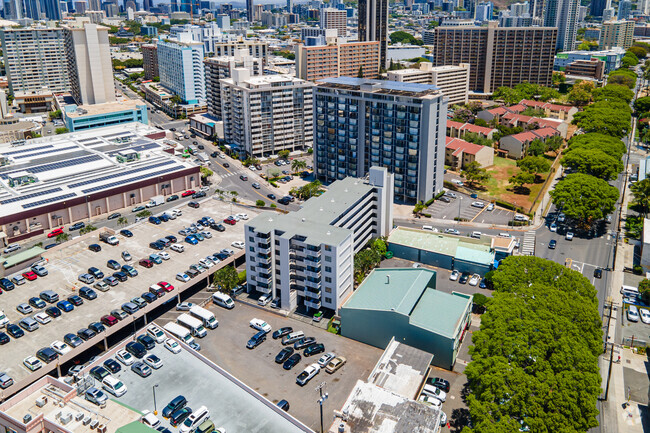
321, 400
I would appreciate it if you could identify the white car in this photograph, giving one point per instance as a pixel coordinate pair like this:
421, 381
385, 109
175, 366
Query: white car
149, 419
163, 255
633, 314
569, 236
182, 277
325, 359
561, 218
153, 361
238, 244
184, 306
454, 276
474, 280
42, 318
243, 216
11, 248
307, 374
156, 333
125, 357
3, 319
207, 235
553, 227
60, 347
177, 247
478, 204
645, 315
434, 392
490, 207
452, 232
264, 299
206, 263
172, 346
430, 401
260, 325
32, 363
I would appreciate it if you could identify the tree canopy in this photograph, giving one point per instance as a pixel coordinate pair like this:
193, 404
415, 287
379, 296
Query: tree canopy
641, 105
605, 117
524, 90
404, 37
535, 359
581, 93
474, 173
594, 162
641, 192
613, 92
584, 198
610, 145
534, 164
623, 76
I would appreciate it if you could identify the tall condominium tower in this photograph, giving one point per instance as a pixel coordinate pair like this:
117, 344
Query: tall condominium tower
563, 14
373, 25
249, 10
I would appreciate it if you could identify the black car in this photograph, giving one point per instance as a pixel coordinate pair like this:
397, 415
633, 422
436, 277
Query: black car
120, 276
194, 204
15, 331
214, 154
165, 242
126, 233
222, 256
157, 245
75, 300
439, 383
37, 302
95, 248
112, 365
87, 293
552, 244
172, 239
463, 278
149, 297
179, 416
314, 349
148, 342
77, 226
174, 405
271, 196
218, 227
86, 334
279, 333
114, 215
72, 340
97, 327
304, 342
172, 198
53, 312
129, 271
285, 201
292, 361
99, 373
136, 349
96, 273
226, 165
199, 194
47, 355
284, 355
201, 147
598, 273
192, 273
4, 338
113, 264
284, 405
6, 284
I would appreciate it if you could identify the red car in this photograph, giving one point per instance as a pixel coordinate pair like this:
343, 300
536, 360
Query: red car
29, 275
108, 320
230, 221
188, 192
55, 233
146, 263
165, 285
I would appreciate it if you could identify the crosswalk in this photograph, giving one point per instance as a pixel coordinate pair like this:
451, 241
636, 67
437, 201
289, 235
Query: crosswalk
528, 244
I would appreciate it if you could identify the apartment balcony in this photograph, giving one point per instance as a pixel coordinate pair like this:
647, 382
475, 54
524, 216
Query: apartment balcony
263, 250
313, 294
312, 274
264, 288
312, 284
311, 304
263, 259
268, 280
298, 273
312, 253
314, 260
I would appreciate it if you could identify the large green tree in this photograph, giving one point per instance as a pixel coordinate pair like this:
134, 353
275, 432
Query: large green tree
225, 279
605, 117
613, 92
610, 145
475, 174
594, 162
534, 164
535, 358
584, 198
641, 105
641, 192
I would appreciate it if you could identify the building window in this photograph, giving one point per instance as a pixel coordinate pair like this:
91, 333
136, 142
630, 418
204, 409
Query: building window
251, 249
328, 290
328, 279
328, 300
328, 269
328, 258
251, 238
328, 248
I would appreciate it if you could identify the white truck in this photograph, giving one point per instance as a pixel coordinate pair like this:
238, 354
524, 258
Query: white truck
180, 332
194, 325
156, 201
205, 316
108, 238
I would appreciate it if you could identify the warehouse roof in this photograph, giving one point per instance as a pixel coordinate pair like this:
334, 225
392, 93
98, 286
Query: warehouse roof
441, 312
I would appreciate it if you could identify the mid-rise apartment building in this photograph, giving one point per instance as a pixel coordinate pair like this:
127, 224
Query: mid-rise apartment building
255, 48
150, 61
616, 34
217, 68
453, 81
90, 67
331, 18
306, 258
498, 56
338, 60
266, 114
35, 59
180, 64
361, 123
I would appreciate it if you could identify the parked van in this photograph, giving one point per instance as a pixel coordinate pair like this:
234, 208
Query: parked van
476, 235
630, 291
194, 325
293, 337
169, 214
205, 316
180, 332
223, 300
195, 419
114, 386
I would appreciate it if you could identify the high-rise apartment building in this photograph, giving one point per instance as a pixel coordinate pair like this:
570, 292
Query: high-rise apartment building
373, 25
51, 9
624, 9
180, 65
89, 64
537, 8
306, 258
563, 14
598, 6
35, 59
95, 5
338, 60
150, 61
484, 11
498, 56
361, 123
331, 18
249, 10
453, 81
266, 114
616, 34
217, 68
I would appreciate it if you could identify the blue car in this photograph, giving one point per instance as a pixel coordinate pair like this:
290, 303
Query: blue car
65, 306
164, 218
155, 258
154, 220
192, 240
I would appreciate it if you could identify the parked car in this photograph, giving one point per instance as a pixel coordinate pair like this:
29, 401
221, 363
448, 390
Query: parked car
177, 403
454, 276
335, 364
284, 354
292, 361
307, 374
633, 313
314, 349
282, 332
141, 369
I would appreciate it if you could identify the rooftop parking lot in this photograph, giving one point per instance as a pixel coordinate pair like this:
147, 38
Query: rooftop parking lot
66, 263
226, 346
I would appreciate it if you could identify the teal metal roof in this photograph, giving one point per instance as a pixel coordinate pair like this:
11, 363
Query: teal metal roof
22, 256
475, 255
440, 312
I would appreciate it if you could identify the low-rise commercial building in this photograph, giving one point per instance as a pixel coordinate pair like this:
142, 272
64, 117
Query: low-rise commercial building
78, 118
34, 102
12, 129
593, 68
316, 62
404, 304
453, 81
611, 57
305, 258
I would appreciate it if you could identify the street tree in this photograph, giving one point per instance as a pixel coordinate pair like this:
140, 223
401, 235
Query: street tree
87, 229
225, 279
641, 105
581, 93
122, 221
594, 162
613, 92
62, 238
298, 165
610, 145
605, 117
475, 174
584, 198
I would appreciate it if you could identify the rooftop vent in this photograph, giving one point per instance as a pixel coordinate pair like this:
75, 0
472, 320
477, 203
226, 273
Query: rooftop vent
387, 279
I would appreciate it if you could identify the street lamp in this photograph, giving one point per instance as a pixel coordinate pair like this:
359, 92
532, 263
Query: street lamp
155, 410
321, 400
460, 198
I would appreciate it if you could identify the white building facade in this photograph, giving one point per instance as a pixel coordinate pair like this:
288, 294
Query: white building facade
452, 80
180, 65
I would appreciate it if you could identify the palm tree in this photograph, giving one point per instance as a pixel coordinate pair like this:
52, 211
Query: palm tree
641, 191
89, 228
298, 165
234, 195
122, 221
62, 238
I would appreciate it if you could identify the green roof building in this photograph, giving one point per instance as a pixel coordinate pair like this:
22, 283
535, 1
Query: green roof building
403, 303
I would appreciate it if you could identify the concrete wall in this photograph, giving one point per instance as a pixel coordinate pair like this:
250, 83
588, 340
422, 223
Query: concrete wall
422, 256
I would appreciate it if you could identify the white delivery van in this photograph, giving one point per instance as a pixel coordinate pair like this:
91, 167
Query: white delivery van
169, 214
223, 300
180, 332
208, 319
193, 324
630, 291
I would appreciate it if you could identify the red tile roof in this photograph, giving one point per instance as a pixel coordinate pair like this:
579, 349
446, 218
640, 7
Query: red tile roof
546, 132
463, 146
525, 136
454, 124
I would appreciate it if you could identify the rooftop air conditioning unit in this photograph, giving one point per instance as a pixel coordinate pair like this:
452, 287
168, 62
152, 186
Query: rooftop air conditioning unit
86, 420
101, 428
41, 401
94, 424
66, 418
27, 418
79, 416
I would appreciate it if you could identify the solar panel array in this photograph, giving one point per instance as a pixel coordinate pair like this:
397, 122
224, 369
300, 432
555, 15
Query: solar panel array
26, 196
14, 152
45, 152
131, 179
125, 173
57, 165
48, 200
